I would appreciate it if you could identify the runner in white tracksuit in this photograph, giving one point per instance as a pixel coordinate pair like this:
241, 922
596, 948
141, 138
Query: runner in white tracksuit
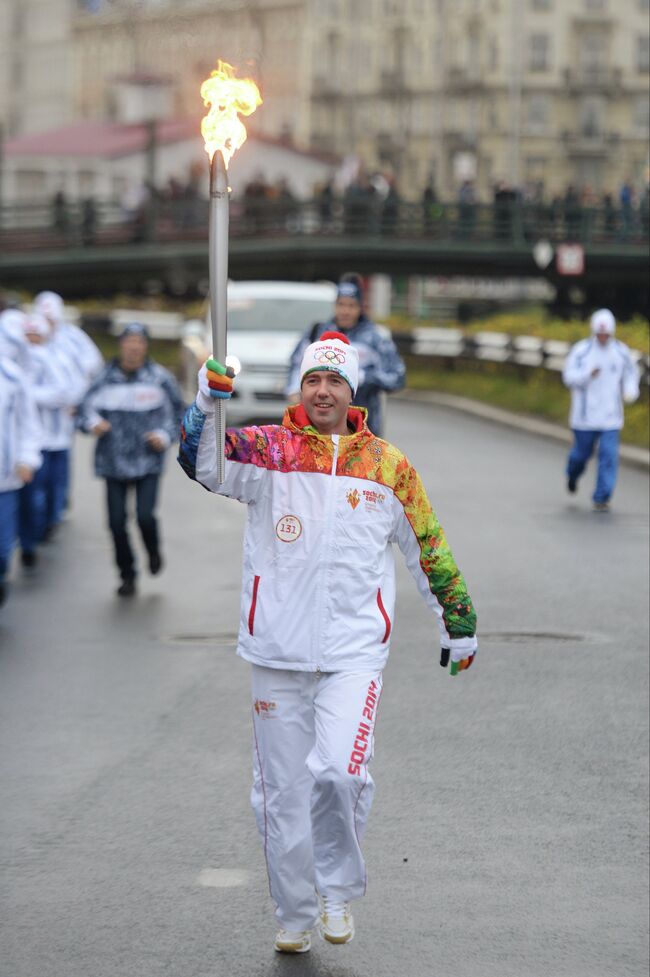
601, 374
73, 344
326, 498
74, 341
56, 387
20, 454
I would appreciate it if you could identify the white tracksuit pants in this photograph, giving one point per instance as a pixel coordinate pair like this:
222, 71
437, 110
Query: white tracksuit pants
312, 792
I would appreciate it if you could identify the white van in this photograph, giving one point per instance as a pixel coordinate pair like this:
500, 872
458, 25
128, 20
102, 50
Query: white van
265, 322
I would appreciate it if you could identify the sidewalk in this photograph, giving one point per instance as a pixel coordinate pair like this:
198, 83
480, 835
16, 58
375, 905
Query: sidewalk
629, 454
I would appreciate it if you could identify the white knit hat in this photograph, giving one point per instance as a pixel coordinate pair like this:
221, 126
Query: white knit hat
334, 352
13, 343
50, 305
603, 321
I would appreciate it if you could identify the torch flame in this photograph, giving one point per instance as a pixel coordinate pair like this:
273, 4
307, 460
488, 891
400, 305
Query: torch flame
227, 98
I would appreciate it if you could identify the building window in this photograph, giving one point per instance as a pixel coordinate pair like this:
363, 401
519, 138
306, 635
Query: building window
592, 111
86, 182
593, 56
642, 115
541, 4
17, 71
30, 184
473, 63
119, 186
539, 52
539, 113
493, 54
595, 4
535, 170
643, 54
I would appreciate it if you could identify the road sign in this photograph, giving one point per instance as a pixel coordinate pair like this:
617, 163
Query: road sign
570, 259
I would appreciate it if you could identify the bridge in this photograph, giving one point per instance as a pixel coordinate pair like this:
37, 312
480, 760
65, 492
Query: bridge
164, 246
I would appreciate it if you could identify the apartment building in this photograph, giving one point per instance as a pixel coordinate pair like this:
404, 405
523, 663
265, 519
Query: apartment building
60, 59
183, 39
525, 91
515, 90
36, 75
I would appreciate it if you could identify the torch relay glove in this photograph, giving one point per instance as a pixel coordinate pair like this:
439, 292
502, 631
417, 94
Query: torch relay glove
216, 380
460, 658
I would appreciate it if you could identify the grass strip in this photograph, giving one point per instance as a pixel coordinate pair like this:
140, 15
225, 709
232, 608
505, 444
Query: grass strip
535, 393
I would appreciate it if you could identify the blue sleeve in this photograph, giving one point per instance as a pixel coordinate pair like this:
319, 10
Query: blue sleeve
191, 429
176, 403
386, 371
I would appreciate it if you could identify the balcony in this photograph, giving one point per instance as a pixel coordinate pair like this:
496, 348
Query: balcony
458, 140
463, 80
393, 83
589, 143
593, 18
327, 87
596, 80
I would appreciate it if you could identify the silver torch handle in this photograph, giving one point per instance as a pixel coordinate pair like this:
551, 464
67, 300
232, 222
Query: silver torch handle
219, 218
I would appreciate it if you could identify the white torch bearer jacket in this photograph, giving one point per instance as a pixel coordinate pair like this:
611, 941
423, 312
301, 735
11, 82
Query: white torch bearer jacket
20, 431
318, 573
597, 401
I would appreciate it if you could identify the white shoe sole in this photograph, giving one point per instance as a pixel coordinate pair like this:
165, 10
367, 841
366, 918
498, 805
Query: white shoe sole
334, 938
301, 947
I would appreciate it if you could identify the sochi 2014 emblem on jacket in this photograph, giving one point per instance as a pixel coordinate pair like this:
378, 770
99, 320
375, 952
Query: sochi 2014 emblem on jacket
353, 498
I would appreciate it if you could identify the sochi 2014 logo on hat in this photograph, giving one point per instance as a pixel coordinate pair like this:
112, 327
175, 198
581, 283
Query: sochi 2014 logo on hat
329, 355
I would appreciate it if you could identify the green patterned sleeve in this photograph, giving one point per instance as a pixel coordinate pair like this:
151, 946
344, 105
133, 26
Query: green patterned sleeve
429, 559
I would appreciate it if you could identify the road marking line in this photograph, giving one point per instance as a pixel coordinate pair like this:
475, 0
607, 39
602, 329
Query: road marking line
222, 878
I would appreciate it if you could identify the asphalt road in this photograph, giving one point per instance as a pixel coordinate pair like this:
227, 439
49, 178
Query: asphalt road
509, 832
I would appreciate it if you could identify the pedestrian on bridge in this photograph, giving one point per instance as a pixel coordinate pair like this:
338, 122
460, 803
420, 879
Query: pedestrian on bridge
381, 368
134, 409
326, 500
601, 375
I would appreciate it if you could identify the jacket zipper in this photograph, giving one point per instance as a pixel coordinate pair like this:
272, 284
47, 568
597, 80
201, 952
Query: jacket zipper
328, 543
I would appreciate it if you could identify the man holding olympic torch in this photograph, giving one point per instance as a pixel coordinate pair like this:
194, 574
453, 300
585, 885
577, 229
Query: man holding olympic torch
327, 499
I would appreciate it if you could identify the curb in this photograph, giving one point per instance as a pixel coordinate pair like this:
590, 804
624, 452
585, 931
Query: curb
629, 454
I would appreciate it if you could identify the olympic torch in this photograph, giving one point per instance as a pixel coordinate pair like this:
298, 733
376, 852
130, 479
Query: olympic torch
226, 97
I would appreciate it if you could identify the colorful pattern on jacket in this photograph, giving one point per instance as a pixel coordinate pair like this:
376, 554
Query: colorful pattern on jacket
296, 447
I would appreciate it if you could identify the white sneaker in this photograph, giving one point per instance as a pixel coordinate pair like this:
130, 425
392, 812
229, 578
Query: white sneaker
289, 942
336, 923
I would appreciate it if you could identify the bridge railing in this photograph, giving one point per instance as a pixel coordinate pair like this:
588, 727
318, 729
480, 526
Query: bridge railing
503, 223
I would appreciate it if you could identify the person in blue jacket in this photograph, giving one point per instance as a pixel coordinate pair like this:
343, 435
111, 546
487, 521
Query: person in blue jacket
134, 409
381, 368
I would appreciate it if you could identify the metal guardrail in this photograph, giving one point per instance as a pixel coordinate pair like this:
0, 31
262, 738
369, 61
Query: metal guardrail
503, 223
496, 347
